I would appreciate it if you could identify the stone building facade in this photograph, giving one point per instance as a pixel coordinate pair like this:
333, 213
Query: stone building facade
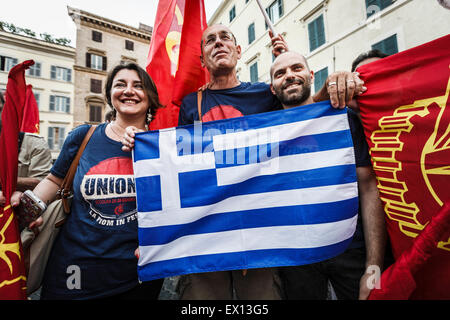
101, 45
51, 78
330, 33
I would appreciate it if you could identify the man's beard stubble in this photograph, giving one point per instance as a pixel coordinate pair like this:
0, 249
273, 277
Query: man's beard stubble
299, 97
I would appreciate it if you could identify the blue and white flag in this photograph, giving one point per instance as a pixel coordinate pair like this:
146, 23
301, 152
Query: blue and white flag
266, 190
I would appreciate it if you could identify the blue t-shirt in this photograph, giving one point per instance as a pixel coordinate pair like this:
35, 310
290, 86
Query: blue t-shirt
245, 99
98, 240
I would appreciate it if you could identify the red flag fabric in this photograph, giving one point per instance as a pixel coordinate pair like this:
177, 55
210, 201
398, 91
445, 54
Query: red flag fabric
174, 57
405, 113
397, 282
12, 269
30, 121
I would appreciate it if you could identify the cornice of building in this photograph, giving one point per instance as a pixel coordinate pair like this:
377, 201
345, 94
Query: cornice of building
36, 44
218, 11
92, 20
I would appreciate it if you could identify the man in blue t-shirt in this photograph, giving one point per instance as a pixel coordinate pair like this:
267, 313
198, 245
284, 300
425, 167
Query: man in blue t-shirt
226, 97
290, 81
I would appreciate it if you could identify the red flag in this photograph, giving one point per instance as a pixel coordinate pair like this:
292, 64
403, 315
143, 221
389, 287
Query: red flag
12, 269
406, 116
397, 282
30, 121
174, 57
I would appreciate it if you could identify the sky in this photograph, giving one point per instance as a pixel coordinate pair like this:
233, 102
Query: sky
50, 16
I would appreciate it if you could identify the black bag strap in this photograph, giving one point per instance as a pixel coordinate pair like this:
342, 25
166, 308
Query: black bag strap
21, 135
66, 187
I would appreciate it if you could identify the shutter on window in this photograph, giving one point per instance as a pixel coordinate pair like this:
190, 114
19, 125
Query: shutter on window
38, 70
96, 36
104, 64
319, 78
91, 113
99, 114
50, 138
312, 35
320, 31
390, 45
96, 86
68, 105
251, 33
52, 103
88, 60
385, 3
61, 137
280, 8
53, 72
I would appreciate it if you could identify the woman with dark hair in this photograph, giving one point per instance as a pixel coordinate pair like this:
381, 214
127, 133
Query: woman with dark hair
93, 256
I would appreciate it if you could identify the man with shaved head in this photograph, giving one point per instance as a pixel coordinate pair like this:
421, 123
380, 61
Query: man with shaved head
291, 82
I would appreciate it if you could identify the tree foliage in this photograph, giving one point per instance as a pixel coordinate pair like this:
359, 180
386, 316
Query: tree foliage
43, 36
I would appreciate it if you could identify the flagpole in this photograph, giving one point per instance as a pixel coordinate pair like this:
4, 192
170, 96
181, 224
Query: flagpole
266, 17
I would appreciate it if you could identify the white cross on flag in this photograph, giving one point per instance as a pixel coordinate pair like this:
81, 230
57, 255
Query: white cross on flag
266, 190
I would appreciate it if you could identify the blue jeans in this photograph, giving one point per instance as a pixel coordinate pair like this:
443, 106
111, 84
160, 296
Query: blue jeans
310, 282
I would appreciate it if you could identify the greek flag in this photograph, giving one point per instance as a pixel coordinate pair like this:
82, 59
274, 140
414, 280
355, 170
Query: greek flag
266, 190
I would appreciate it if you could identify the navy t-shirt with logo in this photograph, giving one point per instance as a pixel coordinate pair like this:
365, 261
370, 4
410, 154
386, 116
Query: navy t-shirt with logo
93, 255
245, 99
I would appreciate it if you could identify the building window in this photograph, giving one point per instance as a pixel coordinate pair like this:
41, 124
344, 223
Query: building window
129, 45
96, 62
375, 6
388, 46
316, 33
96, 86
59, 104
251, 33
232, 13
34, 70
96, 36
95, 113
7, 63
37, 97
254, 72
275, 11
58, 73
56, 137
319, 78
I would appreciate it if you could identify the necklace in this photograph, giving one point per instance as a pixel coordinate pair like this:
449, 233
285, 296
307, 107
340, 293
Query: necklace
114, 131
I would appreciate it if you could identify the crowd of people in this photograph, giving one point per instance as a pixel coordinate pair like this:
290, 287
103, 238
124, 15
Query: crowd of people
105, 250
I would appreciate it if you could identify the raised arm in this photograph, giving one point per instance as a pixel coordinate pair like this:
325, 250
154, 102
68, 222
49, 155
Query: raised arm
279, 45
